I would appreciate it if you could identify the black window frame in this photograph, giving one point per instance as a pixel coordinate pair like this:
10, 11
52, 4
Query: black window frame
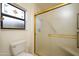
2, 14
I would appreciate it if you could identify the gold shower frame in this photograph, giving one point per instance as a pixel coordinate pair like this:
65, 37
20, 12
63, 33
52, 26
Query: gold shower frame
42, 12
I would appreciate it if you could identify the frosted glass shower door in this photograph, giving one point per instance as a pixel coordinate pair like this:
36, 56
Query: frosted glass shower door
56, 31
43, 45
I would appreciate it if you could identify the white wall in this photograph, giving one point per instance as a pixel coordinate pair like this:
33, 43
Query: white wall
7, 35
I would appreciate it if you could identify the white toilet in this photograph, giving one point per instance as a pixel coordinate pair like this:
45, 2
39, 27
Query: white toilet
18, 49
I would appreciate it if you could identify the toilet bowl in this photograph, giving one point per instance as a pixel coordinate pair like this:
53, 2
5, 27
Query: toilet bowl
18, 48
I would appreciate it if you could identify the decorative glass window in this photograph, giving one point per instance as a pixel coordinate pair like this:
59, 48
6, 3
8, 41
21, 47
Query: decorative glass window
12, 23
13, 11
13, 17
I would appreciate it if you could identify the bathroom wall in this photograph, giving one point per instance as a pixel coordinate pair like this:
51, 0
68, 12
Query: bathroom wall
58, 32
8, 36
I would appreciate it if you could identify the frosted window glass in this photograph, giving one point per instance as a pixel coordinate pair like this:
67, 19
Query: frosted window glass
11, 10
12, 23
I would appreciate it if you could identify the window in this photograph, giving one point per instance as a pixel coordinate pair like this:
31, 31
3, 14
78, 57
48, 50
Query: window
13, 17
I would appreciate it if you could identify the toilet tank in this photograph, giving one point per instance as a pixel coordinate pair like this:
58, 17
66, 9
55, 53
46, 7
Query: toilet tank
17, 47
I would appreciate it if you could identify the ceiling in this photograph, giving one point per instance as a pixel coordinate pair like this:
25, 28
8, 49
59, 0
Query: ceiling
43, 6
38, 6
